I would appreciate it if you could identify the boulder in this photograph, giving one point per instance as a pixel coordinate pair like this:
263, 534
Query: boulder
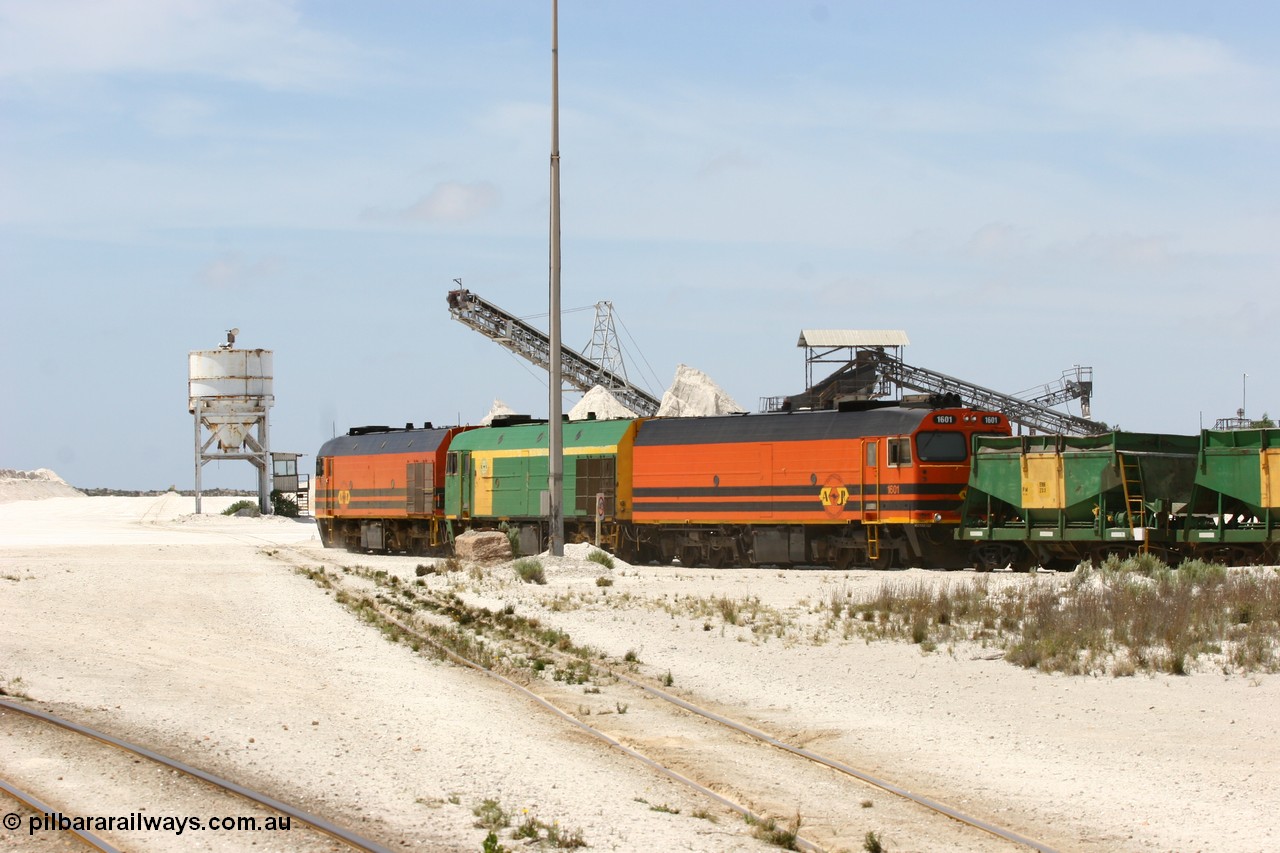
483, 546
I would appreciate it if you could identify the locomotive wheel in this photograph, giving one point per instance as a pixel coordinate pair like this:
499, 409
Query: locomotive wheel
718, 557
883, 561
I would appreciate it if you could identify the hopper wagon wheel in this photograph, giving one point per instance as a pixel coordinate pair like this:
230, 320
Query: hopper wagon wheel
1023, 563
1238, 556
984, 558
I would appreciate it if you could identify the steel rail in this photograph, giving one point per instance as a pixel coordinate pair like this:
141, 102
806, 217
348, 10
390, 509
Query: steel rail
32, 802
918, 799
801, 842
346, 836
928, 803
838, 766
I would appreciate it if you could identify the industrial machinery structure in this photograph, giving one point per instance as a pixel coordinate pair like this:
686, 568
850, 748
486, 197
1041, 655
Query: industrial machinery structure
524, 340
229, 392
871, 365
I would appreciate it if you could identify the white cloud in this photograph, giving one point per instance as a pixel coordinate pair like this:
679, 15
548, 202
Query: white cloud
451, 201
996, 240
1125, 58
231, 271
1164, 81
263, 42
1123, 250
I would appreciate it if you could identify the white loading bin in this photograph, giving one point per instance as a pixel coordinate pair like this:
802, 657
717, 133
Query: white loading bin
229, 392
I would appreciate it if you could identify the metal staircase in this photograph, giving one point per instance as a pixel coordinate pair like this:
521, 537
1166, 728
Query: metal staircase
535, 345
1075, 383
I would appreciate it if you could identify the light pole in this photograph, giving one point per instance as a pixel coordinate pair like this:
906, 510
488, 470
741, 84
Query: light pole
1244, 395
555, 431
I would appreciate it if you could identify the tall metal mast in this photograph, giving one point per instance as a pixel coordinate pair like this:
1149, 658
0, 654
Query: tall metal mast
555, 449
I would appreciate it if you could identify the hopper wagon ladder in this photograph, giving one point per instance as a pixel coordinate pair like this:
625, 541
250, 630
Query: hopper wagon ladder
1131, 484
534, 345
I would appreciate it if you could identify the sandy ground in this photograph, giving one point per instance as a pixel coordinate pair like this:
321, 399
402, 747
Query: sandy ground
192, 635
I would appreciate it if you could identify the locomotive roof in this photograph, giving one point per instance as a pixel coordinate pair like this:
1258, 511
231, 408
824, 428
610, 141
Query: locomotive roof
388, 441
589, 433
795, 426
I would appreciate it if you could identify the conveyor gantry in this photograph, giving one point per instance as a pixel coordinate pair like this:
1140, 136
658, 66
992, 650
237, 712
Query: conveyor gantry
1030, 413
534, 345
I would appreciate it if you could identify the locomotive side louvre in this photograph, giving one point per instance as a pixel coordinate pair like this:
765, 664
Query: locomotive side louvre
499, 474
825, 487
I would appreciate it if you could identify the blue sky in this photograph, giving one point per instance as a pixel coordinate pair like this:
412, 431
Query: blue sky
1021, 187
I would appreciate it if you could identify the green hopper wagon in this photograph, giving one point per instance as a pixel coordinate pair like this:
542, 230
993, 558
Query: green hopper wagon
1234, 514
1054, 500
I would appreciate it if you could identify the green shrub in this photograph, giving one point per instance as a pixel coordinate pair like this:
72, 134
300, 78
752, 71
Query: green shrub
602, 558
513, 537
491, 815
530, 570
239, 505
283, 505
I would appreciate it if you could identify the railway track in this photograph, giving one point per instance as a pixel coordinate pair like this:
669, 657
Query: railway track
816, 801
198, 813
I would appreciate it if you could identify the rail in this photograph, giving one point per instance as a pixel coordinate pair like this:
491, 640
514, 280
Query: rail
346, 836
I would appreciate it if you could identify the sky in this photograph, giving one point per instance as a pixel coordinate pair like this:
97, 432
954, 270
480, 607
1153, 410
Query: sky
1020, 187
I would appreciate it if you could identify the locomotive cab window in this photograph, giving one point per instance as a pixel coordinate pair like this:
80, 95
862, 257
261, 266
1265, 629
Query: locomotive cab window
873, 452
941, 447
451, 464
899, 450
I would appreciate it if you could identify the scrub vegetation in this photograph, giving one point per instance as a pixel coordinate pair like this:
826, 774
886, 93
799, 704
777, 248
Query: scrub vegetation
1122, 617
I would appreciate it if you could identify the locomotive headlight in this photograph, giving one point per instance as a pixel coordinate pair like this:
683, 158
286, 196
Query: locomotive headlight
937, 516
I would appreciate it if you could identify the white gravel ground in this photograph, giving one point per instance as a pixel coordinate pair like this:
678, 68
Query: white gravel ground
185, 633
